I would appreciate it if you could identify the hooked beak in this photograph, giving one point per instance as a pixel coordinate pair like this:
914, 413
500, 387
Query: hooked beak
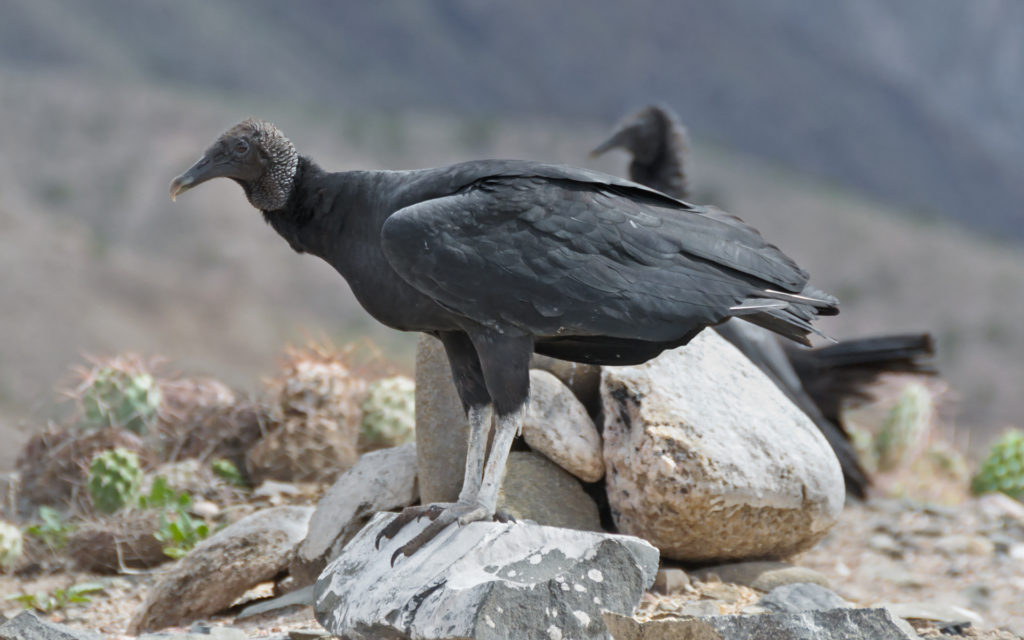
204, 169
617, 139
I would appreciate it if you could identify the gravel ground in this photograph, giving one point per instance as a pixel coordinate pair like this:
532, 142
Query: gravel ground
966, 561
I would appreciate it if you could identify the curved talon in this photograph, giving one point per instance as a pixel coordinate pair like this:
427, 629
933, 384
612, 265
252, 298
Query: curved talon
504, 517
406, 516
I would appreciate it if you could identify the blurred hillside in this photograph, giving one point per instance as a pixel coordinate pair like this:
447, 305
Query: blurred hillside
104, 101
917, 102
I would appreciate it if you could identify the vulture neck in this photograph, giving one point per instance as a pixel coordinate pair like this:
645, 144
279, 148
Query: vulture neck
662, 169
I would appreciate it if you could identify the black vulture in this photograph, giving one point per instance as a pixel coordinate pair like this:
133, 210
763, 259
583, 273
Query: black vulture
503, 258
816, 380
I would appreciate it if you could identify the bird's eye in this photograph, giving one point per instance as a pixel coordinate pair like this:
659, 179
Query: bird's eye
241, 147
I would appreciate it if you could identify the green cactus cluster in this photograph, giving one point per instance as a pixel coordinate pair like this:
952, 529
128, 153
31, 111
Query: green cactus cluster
114, 396
905, 428
1003, 469
10, 544
389, 413
115, 478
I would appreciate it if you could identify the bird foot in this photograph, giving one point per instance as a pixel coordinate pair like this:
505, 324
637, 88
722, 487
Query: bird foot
441, 515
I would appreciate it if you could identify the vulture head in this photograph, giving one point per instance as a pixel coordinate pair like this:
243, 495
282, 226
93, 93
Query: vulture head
645, 135
254, 154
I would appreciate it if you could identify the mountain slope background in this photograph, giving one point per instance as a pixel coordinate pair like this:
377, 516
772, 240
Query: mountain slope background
104, 101
917, 102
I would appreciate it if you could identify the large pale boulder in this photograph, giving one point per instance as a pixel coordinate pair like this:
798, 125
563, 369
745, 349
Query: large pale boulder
484, 580
708, 460
557, 425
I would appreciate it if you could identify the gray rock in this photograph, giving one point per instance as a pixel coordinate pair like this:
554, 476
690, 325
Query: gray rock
484, 581
223, 567
557, 425
761, 575
441, 427
380, 480
584, 380
835, 624
27, 626
708, 460
801, 596
539, 490
308, 634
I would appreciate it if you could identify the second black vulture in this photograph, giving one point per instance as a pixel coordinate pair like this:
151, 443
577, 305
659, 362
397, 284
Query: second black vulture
502, 258
816, 380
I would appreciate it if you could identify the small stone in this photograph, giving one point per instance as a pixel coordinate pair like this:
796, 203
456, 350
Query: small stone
801, 596
886, 544
964, 544
27, 626
761, 575
671, 580
205, 509
699, 608
557, 426
458, 584
584, 380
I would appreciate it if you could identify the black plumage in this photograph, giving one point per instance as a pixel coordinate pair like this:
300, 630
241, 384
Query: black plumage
816, 380
502, 258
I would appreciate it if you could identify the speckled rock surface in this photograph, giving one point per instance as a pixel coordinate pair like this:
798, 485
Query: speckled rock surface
537, 489
441, 427
381, 480
223, 567
484, 580
708, 460
557, 425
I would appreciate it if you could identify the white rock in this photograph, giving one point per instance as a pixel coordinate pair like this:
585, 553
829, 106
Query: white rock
481, 581
557, 425
708, 460
380, 480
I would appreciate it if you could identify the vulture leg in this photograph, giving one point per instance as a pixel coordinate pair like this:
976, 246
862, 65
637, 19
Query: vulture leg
504, 364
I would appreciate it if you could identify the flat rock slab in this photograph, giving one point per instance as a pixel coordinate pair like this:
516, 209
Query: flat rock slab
27, 626
835, 624
483, 581
223, 567
379, 481
801, 596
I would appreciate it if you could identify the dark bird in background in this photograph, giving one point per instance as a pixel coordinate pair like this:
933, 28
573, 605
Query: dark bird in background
816, 380
500, 259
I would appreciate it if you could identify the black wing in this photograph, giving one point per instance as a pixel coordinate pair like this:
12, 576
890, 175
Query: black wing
551, 255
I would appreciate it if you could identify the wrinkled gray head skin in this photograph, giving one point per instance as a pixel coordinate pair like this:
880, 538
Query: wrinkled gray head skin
646, 134
254, 154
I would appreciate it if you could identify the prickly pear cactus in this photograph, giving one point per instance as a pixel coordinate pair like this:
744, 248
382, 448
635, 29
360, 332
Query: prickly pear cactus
905, 428
119, 393
389, 413
10, 544
1003, 469
114, 479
